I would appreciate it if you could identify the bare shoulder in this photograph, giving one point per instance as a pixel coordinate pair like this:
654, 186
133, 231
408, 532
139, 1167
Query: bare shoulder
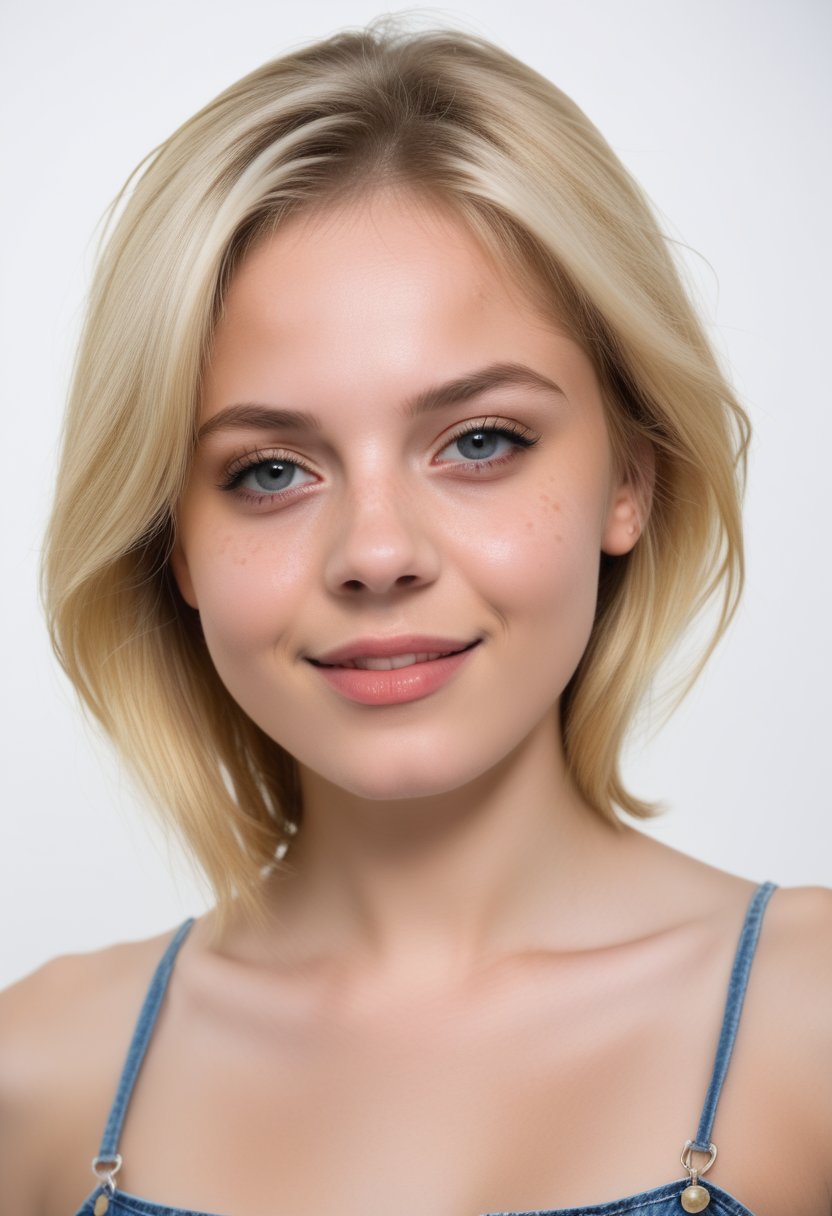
64, 1032
798, 936
797, 944
68, 1000
792, 975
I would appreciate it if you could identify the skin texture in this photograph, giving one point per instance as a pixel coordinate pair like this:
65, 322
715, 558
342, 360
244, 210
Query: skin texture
469, 992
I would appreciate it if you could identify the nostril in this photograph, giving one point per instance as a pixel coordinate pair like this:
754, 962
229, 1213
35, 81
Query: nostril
404, 580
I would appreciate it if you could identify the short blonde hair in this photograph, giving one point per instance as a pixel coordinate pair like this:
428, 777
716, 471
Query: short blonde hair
441, 112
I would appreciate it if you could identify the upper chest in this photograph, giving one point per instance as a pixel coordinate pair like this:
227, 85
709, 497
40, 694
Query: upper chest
549, 1086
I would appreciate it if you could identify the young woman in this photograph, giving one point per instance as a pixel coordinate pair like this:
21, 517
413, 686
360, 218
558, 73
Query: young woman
395, 462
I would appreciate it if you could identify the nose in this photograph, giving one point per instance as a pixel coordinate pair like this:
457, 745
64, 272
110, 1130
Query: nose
380, 543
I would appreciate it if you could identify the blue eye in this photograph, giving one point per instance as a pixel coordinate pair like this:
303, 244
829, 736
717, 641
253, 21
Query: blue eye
480, 445
268, 478
484, 444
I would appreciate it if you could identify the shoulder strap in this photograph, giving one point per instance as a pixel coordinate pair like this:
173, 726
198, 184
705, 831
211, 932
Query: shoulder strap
733, 1008
730, 1022
138, 1047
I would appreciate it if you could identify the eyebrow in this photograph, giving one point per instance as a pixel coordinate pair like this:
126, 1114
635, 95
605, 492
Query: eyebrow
496, 375
259, 417
453, 392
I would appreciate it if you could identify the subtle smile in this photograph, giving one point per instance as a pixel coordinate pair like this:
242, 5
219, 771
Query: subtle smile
382, 672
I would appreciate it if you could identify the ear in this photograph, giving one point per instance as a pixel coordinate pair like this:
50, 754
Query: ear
630, 504
182, 574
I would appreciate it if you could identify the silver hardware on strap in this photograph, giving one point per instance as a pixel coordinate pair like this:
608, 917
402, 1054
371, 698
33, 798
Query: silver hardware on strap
687, 1158
105, 1169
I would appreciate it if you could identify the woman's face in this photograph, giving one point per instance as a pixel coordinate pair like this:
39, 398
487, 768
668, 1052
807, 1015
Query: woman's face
400, 459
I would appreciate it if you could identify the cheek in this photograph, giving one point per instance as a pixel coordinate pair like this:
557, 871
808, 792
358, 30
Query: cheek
247, 591
540, 578
538, 560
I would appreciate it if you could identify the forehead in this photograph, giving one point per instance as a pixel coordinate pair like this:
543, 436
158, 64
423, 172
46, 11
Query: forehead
369, 300
386, 250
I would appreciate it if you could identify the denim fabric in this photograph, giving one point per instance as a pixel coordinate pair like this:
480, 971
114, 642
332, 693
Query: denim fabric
140, 1042
660, 1201
733, 1008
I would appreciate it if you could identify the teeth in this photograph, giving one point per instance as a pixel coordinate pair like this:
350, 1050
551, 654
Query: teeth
390, 663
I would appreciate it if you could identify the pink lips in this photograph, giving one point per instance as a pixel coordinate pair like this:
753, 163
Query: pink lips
391, 671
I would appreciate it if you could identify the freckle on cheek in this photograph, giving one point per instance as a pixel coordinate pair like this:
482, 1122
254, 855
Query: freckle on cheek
233, 549
549, 505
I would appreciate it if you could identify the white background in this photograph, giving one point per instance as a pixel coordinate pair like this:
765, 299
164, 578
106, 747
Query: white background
721, 109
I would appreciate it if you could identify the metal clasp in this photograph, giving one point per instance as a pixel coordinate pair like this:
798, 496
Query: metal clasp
696, 1172
105, 1169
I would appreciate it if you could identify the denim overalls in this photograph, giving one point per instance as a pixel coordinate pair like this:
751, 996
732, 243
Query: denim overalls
689, 1194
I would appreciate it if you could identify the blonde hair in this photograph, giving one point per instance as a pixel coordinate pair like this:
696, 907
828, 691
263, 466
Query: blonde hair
441, 112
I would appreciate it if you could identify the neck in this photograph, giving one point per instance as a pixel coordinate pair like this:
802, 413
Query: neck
419, 892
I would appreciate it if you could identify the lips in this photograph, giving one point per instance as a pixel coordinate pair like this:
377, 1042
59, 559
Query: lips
393, 671
385, 654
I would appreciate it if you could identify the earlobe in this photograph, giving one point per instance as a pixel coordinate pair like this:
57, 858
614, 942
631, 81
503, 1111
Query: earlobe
630, 508
623, 528
182, 575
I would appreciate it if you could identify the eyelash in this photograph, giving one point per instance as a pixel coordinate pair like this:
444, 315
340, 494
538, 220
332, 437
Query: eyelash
243, 465
519, 437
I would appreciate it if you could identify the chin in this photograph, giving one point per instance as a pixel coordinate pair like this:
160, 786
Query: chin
398, 787
399, 781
